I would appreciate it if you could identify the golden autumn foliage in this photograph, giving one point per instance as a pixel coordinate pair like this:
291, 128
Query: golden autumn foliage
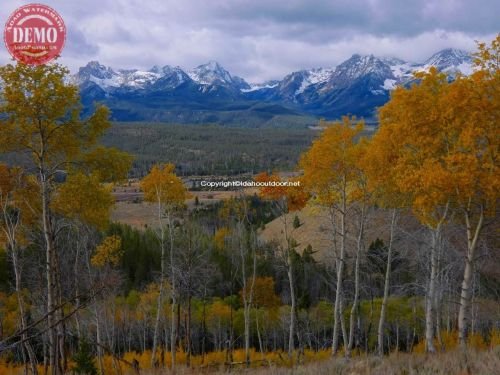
233, 208
44, 122
163, 185
263, 292
85, 198
109, 252
331, 164
17, 198
450, 342
294, 197
6, 180
218, 316
439, 141
220, 237
41, 92
108, 163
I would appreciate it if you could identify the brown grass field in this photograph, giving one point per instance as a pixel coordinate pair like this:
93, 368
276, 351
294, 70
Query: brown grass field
132, 210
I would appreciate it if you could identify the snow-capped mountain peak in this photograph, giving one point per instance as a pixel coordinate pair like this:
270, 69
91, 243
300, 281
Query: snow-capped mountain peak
156, 69
358, 66
210, 73
97, 70
99, 74
358, 85
450, 60
129, 79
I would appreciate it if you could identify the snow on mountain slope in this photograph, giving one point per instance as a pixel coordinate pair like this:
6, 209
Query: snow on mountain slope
358, 85
391, 71
212, 73
313, 77
259, 86
450, 60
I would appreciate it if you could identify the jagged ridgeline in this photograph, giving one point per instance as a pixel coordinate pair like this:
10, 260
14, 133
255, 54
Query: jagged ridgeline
210, 94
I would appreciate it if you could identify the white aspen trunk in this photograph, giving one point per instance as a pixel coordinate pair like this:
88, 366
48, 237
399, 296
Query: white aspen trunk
259, 337
342, 323
246, 305
162, 282
289, 264
439, 297
383, 307
355, 303
465, 295
291, 345
49, 269
340, 274
98, 341
22, 313
247, 299
431, 290
173, 328
61, 326
10, 233
77, 289
430, 300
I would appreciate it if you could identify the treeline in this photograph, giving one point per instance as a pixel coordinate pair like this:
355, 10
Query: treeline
209, 149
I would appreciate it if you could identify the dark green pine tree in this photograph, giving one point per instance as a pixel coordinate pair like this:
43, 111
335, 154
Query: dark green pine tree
84, 360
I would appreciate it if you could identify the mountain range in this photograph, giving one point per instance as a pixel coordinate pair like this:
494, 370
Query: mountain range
210, 94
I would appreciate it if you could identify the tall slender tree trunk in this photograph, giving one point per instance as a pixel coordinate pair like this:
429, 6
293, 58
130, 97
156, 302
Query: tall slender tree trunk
77, 288
342, 323
355, 303
49, 267
162, 282
431, 292
188, 331
173, 327
465, 295
340, 273
61, 326
22, 313
246, 305
289, 265
10, 230
291, 345
259, 337
439, 297
99, 341
383, 308
247, 294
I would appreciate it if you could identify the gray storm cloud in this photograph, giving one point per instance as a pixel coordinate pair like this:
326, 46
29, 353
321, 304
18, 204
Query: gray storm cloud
262, 40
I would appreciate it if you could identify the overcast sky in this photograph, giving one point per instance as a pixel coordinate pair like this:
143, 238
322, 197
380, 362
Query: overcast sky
263, 39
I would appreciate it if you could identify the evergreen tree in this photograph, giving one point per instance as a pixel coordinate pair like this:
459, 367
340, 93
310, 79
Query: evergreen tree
84, 361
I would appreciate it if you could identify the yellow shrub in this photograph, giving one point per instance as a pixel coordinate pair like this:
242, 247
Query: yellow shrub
450, 339
494, 338
477, 342
420, 347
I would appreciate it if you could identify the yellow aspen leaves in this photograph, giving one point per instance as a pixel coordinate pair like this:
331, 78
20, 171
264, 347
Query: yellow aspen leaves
330, 165
109, 252
84, 198
163, 185
294, 196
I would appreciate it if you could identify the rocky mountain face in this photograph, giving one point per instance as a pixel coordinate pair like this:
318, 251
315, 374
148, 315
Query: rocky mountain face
357, 86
